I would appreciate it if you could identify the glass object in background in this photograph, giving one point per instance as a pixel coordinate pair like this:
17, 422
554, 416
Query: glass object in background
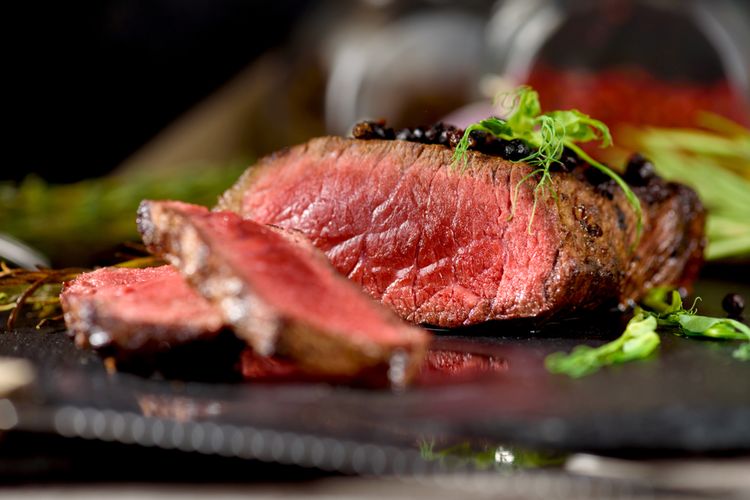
410, 63
637, 62
649, 69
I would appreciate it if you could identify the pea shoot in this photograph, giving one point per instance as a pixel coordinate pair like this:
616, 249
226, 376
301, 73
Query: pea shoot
549, 134
640, 338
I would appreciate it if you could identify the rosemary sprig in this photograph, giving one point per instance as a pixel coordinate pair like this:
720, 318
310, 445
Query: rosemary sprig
40, 290
71, 222
549, 134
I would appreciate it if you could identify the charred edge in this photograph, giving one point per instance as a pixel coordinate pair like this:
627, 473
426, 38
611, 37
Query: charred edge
318, 352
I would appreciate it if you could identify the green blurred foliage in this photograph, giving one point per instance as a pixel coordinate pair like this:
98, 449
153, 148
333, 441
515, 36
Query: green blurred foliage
71, 223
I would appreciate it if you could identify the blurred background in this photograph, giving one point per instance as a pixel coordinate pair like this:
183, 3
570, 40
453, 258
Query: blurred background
118, 100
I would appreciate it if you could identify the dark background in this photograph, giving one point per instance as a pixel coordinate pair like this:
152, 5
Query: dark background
88, 83
91, 82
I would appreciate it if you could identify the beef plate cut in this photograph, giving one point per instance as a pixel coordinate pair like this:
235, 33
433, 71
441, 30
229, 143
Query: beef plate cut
444, 246
280, 294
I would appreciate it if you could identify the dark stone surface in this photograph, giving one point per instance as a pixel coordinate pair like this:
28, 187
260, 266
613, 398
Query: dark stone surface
690, 397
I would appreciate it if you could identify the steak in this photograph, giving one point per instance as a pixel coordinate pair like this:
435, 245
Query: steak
280, 294
451, 247
137, 310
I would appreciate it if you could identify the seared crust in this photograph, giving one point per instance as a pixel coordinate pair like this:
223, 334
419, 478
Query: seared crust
671, 251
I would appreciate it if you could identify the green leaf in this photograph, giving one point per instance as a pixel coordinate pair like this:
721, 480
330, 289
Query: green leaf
580, 127
496, 126
523, 120
704, 326
656, 300
690, 324
638, 341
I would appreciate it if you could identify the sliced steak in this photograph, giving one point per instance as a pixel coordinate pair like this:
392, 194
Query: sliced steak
144, 310
280, 294
447, 248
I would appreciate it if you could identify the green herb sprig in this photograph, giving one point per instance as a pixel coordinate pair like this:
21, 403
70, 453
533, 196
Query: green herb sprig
640, 338
638, 341
39, 290
549, 134
70, 223
673, 317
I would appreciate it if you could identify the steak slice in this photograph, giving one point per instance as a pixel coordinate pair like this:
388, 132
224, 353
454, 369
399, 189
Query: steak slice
137, 310
280, 294
447, 248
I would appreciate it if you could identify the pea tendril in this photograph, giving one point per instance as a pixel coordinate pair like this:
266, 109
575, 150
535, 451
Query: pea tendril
662, 311
549, 134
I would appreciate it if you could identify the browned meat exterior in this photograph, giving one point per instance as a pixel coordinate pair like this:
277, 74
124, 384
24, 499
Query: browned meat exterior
671, 251
280, 294
446, 247
143, 310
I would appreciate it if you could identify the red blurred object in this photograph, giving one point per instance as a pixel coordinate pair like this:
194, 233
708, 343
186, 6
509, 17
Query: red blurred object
631, 96
439, 367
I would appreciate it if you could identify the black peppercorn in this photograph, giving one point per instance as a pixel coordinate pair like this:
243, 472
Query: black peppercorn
444, 135
568, 160
404, 135
442, 138
363, 130
595, 176
493, 146
477, 139
372, 130
387, 133
733, 304
516, 150
454, 136
639, 170
418, 134
603, 183
432, 134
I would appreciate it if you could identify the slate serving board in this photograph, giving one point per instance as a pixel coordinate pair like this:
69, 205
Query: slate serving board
691, 397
